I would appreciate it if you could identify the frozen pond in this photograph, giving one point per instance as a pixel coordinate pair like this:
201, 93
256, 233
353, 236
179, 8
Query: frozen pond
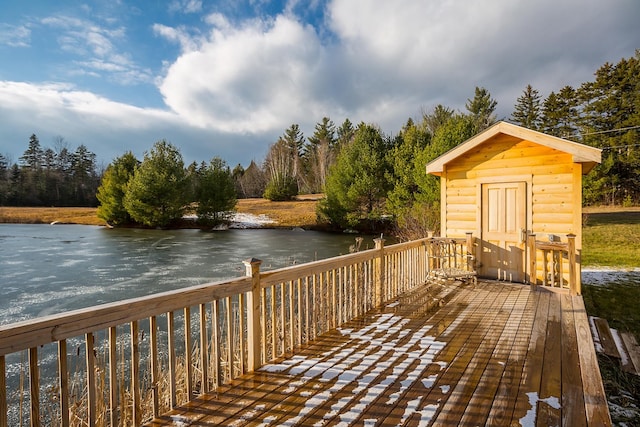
47, 269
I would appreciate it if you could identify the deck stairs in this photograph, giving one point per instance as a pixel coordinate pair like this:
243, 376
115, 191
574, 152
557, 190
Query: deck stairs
616, 344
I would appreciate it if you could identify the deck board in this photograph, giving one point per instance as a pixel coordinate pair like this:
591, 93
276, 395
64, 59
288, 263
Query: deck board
445, 354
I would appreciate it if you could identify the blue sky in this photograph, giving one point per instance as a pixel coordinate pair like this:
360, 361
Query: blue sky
226, 78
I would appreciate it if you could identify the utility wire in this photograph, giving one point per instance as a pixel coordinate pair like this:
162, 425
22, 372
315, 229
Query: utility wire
608, 131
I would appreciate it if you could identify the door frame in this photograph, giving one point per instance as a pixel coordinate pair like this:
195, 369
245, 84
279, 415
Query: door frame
528, 180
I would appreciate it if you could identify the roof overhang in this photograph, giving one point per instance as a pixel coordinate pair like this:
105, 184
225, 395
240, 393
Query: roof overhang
588, 156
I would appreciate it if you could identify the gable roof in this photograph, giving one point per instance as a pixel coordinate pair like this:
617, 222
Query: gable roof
588, 156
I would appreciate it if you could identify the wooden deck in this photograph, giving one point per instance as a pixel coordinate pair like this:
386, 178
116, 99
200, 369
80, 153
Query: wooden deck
444, 354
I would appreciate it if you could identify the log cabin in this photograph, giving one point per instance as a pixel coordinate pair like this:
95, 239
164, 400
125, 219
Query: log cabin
519, 192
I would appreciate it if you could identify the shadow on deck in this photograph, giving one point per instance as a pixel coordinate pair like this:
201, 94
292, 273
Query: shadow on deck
444, 354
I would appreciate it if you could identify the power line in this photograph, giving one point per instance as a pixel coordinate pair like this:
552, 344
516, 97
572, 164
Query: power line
620, 146
608, 131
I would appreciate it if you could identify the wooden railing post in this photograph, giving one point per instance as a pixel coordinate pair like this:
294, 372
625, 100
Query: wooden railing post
379, 272
533, 266
254, 332
470, 256
574, 285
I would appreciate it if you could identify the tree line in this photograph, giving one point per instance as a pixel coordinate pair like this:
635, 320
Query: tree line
47, 176
372, 179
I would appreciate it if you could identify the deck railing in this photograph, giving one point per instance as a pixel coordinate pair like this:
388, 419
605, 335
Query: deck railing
557, 260
126, 362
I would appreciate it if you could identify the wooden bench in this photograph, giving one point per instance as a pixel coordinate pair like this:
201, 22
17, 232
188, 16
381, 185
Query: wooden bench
451, 259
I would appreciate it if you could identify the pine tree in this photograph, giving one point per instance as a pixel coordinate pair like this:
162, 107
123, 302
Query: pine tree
112, 190
215, 193
32, 157
357, 184
156, 195
528, 109
482, 108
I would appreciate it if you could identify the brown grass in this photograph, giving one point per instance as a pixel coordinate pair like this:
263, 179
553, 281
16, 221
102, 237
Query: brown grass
297, 213
85, 216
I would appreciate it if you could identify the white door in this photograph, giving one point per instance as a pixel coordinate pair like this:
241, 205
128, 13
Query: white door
504, 212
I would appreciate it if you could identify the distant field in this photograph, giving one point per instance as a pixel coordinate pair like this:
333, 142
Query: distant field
297, 213
85, 216
611, 237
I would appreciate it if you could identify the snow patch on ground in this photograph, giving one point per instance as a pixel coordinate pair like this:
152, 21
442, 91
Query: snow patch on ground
603, 276
243, 220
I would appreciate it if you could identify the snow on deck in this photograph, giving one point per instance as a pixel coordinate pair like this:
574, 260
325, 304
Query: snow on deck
444, 354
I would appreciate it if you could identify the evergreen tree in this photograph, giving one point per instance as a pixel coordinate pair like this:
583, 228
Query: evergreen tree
527, 111
215, 193
319, 154
156, 195
84, 176
4, 180
611, 121
112, 190
413, 139
357, 185
437, 118
482, 108
32, 157
345, 133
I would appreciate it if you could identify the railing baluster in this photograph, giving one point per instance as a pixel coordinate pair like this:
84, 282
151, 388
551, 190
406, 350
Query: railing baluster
307, 310
3, 393
91, 379
241, 307
153, 356
215, 344
274, 321
299, 310
334, 308
171, 350
229, 341
188, 364
63, 383
34, 386
291, 318
135, 372
282, 335
204, 353
263, 325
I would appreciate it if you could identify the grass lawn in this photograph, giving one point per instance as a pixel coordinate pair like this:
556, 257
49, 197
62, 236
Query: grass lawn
611, 239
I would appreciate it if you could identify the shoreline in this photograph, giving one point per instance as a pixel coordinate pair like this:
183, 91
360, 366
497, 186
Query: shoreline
253, 213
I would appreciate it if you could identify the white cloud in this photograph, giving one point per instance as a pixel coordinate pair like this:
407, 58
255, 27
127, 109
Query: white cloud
237, 86
385, 63
108, 128
15, 35
97, 48
185, 6
250, 78
180, 35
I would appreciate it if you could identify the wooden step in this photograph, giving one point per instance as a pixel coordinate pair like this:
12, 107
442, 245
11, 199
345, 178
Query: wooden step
620, 345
